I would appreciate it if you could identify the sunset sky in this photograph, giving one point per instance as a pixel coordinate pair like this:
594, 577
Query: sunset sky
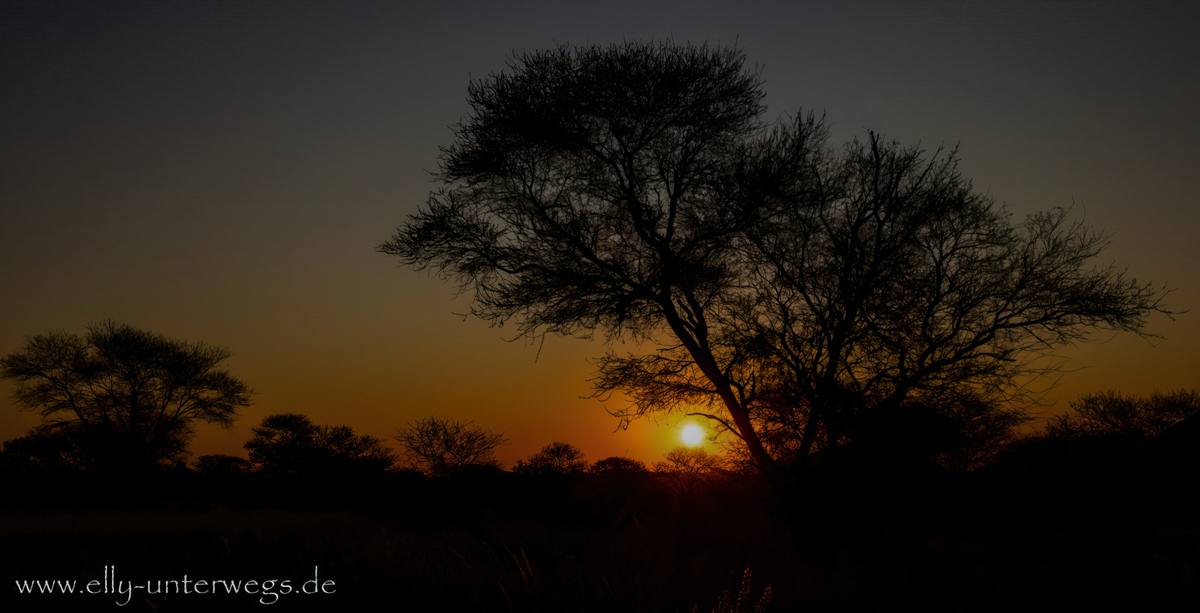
224, 171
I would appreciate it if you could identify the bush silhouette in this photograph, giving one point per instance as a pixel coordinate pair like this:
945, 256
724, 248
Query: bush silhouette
554, 459
439, 447
290, 444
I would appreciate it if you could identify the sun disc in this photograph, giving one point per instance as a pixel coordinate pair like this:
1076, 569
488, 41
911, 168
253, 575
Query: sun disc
693, 434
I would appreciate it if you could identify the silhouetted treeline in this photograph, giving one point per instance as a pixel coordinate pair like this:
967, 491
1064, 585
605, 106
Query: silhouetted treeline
1116, 456
625, 538
1110, 433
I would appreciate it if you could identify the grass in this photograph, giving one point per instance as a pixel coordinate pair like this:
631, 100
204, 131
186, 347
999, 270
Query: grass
533, 546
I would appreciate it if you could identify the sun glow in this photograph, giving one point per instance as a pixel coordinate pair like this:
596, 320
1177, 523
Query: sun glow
692, 435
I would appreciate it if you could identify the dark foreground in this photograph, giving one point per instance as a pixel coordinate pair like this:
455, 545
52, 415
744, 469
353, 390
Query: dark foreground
497, 542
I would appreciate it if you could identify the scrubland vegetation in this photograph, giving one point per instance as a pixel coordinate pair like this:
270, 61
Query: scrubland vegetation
1046, 522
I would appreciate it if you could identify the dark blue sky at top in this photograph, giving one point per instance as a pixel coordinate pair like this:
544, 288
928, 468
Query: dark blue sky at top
223, 171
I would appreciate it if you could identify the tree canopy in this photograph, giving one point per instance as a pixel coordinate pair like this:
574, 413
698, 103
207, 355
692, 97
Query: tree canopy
125, 398
557, 458
617, 464
790, 287
291, 444
1111, 413
686, 469
439, 447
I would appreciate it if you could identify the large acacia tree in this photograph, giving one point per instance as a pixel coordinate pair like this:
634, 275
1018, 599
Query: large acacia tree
586, 191
790, 287
125, 398
887, 283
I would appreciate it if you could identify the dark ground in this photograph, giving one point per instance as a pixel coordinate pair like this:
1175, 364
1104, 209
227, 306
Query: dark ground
500, 542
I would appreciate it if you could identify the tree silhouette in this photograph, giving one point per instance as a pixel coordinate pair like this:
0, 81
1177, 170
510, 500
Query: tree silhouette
282, 444
632, 189
438, 447
1111, 413
222, 465
585, 192
126, 399
686, 468
888, 283
691, 460
554, 459
42, 448
1111, 433
984, 430
290, 444
617, 464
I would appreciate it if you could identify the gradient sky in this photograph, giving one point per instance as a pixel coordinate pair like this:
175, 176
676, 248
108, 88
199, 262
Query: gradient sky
224, 172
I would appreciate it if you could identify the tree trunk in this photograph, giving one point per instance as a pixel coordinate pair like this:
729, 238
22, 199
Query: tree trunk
741, 417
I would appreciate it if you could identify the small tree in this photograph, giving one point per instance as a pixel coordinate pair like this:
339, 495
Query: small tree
984, 431
690, 460
1112, 413
42, 448
289, 443
617, 464
686, 468
438, 447
554, 459
126, 398
222, 465
350, 453
284, 443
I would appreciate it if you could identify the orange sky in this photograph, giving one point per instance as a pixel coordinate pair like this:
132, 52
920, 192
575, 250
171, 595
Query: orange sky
224, 173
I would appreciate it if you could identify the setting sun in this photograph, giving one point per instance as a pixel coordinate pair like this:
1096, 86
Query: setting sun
692, 435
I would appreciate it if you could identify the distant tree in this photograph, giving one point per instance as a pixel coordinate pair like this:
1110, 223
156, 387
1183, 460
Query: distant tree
43, 448
554, 459
686, 468
439, 447
617, 464
1112, 413
284, 443
126, 399
348, 452
289, 443
984, 430
690, 460
1112, 433
222, 465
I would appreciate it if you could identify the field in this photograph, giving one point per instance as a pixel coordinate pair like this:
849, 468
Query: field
499, 543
